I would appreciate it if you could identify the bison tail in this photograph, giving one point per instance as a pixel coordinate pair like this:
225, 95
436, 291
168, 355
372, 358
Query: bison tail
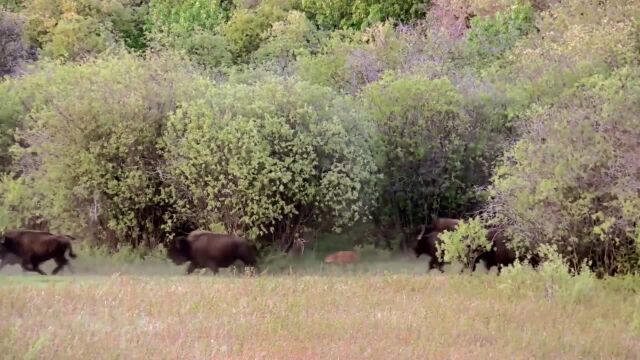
71, 253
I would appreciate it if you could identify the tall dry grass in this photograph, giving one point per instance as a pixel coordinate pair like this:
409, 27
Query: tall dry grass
311, 317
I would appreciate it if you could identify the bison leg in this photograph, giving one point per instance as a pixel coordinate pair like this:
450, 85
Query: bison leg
213, 267
191, 268
34, 267
435, 264
61, 261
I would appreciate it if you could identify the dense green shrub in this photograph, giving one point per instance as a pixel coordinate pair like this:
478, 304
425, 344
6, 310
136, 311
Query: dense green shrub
362, 13
246, 28
269, 157
88, 147
191, 26
75, 29
288, 40
465, 244
349, 60
11, 5
491, 37
431, 150
572, 180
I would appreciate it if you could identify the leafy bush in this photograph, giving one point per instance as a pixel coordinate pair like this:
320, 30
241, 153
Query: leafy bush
266, 158
571, 181
246, 28
431, 150
11, 5
361, 13
349, 61
13, 50
191, 26
287, 40
493, 36
88, 147
465, 244
75, 29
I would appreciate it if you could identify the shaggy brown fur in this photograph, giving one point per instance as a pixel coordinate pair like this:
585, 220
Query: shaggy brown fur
32, 248
204, 249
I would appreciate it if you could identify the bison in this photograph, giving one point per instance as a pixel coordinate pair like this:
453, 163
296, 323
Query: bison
428, 244
500, 254
342, 258
204, 249
31, 248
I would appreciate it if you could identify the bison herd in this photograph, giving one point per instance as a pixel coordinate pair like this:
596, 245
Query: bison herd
204, 249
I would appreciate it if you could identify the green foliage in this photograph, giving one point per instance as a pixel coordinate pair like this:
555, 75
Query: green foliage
493, 36
287, 40
244, 30
191, 26
429, 147
11, 5
76, 37
348, 61
269, 157
361, 13
465, 244
88, 147
571, 180
184, 16
75, 29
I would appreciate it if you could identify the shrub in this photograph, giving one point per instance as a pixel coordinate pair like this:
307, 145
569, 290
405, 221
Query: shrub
266, 158
287, 40
191, 26
431, 151
13, 50
362, 13
465, 244
245, 29
571, 181
492, 36
349, 61
88, 147
74, 29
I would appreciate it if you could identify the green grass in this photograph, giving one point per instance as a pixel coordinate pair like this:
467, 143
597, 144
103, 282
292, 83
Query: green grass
388, 309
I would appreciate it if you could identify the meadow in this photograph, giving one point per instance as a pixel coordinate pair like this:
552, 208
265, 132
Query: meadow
298, 308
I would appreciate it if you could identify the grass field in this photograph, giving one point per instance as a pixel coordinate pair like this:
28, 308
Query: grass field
360, 313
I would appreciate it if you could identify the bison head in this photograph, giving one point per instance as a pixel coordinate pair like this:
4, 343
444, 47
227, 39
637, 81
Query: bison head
178, 251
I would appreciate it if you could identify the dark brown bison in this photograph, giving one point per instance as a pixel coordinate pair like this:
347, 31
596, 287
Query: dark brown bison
342, 258
204, 249
500, 254
427, 244
31, 248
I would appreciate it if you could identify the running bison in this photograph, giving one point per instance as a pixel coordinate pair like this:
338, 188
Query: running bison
204, 249
428, 244
31, 248
342, 258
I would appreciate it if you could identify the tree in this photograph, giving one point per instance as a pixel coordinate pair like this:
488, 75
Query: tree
88, 147
269, 157
432, 152
572, 180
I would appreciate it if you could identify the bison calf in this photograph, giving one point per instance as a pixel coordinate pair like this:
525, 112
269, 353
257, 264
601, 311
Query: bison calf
31, 248
204, 249
342, 258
